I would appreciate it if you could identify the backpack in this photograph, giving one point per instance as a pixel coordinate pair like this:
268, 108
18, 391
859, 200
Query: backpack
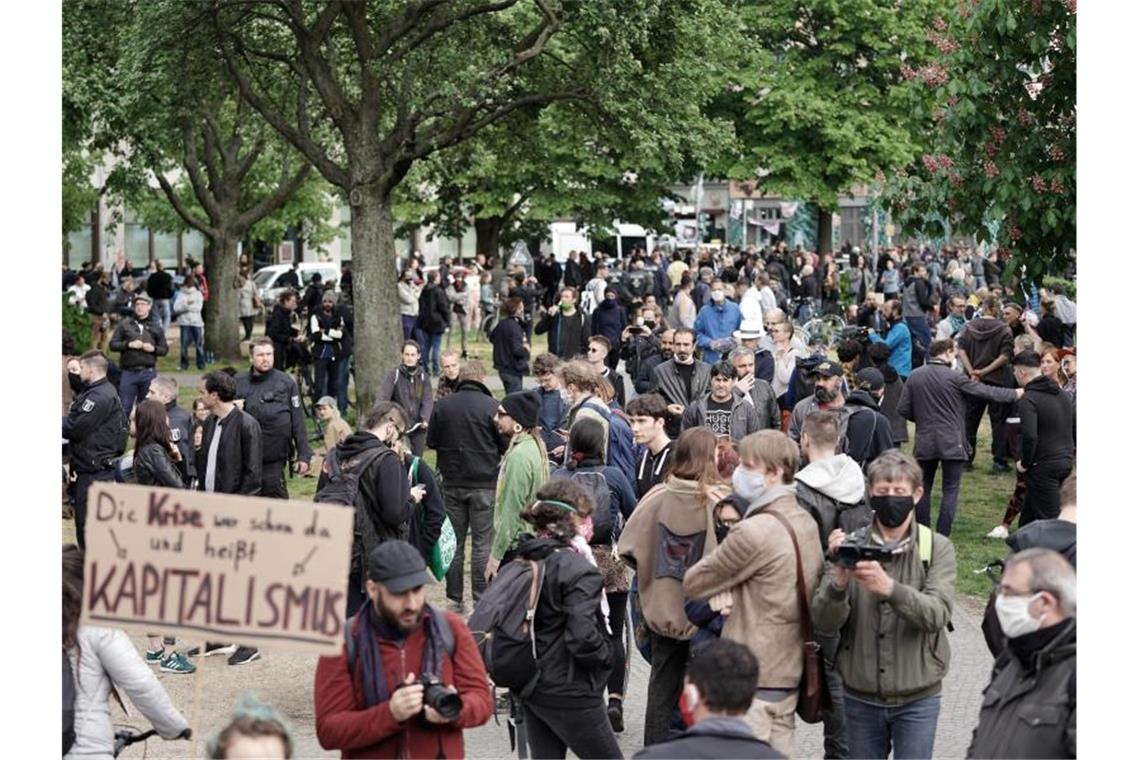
503, 625
607, 518
443, 550
800, 386
68, 704
859, 454
343, 488
619, 443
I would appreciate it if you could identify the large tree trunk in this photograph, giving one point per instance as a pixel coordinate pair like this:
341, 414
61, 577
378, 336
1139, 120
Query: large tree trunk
487, 235
221, 312
823, 242
376, 312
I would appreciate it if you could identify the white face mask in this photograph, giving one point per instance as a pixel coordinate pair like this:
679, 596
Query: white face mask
1013, 615
718, 296
748, 484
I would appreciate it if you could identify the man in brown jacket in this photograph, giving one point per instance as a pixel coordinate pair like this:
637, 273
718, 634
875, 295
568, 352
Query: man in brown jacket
751, 578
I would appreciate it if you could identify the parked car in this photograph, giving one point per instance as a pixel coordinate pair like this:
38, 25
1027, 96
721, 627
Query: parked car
268, 279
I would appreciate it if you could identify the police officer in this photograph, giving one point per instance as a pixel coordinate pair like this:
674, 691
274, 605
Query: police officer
164, 388
96, 429
273, 399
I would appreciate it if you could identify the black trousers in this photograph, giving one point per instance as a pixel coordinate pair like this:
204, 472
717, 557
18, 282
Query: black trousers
617, 601
666, 678
247, 326
273, 481
586, 731
1043, 490
83, 481
834, 722
975, 408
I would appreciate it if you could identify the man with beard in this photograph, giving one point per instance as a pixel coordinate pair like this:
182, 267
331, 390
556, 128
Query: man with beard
749, 337
680, 380
272, 398
723, 412
755, 390
361, 708
650, 362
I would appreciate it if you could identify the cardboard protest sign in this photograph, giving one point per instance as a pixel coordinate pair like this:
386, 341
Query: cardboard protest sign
260, 572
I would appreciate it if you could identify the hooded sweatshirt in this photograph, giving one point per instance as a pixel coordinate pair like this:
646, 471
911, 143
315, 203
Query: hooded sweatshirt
833, 491
984, 340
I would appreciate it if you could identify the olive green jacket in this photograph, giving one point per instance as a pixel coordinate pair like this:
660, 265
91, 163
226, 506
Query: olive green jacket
521, 474
894, 651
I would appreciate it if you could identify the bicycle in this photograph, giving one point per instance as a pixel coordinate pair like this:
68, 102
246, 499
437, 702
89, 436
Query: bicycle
302, 375
823, 332
128, 735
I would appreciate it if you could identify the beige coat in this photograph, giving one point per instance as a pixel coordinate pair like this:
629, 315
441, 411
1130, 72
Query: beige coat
756, 562
669, 514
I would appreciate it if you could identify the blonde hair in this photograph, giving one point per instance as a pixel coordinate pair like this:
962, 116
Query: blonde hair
773, 449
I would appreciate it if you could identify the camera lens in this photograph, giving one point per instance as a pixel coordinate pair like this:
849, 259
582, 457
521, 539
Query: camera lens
441, 699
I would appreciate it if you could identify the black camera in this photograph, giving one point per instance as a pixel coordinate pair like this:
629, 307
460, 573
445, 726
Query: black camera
440, 698
859, 547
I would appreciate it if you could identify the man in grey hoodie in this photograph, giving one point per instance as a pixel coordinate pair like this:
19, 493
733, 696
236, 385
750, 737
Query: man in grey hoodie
831, 488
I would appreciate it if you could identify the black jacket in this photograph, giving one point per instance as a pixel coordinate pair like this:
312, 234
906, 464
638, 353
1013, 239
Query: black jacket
160, 285
1029, 708
95, 427
98, 301
1058, 535
275, 402
507, 350
129, 329
710, 739
182, 435
830, 513
462, 431
239, 454
566, 336
644, 381
279, 326
384, 490
326, 329
982, 341
153, 467
435, 312
1047, 424
573, 647
934, 398
868, 432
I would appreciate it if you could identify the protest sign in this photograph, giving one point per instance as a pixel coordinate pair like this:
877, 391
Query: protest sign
260, 572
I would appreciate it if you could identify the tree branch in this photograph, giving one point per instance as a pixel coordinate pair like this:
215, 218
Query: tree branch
271, 203
398, 28
212, 140
357, 15
202, 190
181, 209
438, 26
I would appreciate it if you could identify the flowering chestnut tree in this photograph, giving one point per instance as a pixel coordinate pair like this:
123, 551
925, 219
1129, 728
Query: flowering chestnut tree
1000, 158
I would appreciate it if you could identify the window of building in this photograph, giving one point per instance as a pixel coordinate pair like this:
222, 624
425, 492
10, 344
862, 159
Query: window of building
166, 249
193, 246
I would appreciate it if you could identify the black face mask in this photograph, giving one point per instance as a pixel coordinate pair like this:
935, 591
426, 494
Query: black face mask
891, 511
76, 382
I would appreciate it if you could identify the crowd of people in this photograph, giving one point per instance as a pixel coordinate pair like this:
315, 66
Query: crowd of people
686, 464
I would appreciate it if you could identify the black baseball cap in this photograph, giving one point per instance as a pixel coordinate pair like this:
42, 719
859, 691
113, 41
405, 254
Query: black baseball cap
398, 565
827, 369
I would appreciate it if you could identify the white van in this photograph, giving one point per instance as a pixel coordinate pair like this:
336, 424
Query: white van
269, 284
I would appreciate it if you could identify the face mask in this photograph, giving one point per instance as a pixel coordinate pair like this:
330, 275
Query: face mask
566, 306
688, 705
650, 323
824, 395
718, 296
681, 358
586, 529
610, 297
748, 484
891, 511
722, 530
1013, 615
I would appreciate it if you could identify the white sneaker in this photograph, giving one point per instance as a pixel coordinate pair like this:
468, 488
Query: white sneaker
1000, 531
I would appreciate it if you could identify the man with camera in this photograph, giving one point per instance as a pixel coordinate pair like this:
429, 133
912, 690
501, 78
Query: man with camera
889, 594
442, 686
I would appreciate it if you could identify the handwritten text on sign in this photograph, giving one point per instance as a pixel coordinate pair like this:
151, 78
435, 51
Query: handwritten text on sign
260, 572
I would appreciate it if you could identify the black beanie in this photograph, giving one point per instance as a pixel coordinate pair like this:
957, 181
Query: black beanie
523, 407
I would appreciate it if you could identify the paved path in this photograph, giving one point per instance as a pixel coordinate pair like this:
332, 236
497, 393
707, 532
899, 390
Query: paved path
286, 681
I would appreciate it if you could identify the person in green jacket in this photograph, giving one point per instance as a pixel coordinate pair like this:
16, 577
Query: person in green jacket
522, 472
891, 618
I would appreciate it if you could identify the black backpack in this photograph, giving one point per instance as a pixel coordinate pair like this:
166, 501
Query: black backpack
343, 487
68, 704
503, 625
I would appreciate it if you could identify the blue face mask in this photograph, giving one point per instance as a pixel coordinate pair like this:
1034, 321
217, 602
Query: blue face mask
748, 484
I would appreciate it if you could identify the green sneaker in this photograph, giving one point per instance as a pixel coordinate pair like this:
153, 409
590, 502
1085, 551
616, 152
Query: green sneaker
154, 658
176, 662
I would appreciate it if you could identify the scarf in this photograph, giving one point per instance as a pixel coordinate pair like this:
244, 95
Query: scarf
369, 624
957, 322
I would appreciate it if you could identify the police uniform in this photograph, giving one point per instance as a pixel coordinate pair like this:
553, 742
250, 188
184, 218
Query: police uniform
96, 429
275, 402
181, 427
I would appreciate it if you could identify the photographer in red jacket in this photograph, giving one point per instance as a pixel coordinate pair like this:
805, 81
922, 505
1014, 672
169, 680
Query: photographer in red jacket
410, 678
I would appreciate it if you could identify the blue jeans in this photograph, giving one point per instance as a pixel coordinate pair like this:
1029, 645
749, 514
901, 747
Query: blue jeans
134, 386
188, 336
872, 730
408, 321
920, 339
162, 309
342, 371
430, 344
